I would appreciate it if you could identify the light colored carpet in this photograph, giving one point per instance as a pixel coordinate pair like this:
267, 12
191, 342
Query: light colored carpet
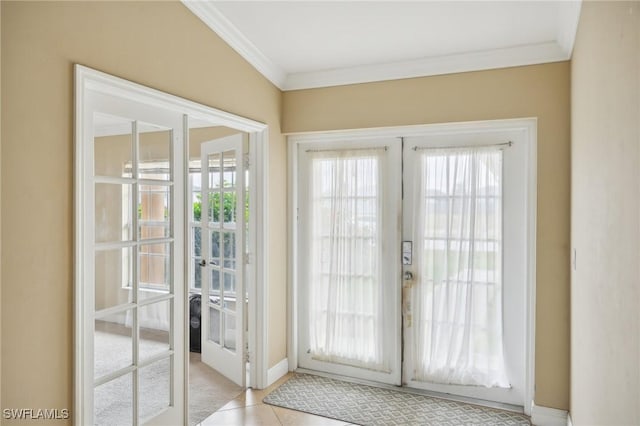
208, 390
368, 405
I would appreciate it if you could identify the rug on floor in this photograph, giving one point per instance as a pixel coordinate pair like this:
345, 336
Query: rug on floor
368, 405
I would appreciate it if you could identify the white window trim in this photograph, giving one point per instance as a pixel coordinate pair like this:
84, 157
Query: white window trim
527, 125
87, 79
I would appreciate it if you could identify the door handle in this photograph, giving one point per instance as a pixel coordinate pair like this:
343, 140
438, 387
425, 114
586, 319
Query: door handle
203, 263
408, 276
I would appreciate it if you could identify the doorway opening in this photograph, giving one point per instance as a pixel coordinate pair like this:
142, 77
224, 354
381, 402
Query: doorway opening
135, 250
422, 257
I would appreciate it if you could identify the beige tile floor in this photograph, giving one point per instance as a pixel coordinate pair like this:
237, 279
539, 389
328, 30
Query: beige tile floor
248, 409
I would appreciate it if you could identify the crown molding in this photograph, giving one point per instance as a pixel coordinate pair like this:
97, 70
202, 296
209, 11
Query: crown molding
214, 19
569, 17
465, 62
552, 51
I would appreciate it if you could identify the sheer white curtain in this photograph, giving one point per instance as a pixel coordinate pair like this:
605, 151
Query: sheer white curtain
345, 288
457, 298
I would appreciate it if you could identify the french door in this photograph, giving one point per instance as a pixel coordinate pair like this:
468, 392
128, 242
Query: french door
133, 293
422, 238
463, 285
223, 221
350, 304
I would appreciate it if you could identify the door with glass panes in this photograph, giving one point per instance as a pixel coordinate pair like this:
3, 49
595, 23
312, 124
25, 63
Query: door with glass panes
222, 265
421, 238
134, 266
464, 279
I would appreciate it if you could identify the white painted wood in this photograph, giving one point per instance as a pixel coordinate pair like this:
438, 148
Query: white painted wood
215, 20
292, 253
277, 371
545, 416
455, 63
569, 421
568, 17
89, 80
229, 363
526, 125
136, 111
399, 41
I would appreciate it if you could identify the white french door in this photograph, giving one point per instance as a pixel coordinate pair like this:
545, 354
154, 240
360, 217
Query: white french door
412, 263
349, 318
223, 219
464, 215
133, 260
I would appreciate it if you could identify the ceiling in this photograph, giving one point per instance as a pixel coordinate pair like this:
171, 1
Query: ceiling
306, 44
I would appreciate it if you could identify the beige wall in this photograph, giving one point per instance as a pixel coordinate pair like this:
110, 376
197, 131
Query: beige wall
540, 91
159, 44
605, 296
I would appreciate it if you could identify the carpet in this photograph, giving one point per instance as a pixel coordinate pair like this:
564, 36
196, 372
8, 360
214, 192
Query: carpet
368, 405
208, 390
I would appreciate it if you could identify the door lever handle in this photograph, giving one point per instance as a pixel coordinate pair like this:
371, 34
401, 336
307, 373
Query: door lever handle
408, 275
203, 263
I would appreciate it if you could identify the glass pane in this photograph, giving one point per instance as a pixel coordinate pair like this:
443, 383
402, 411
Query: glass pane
154, 269
113, 212
154, 211
215, 248
154, 152
155, 322
154, 388
229, 283
197, 274
229, 207
196, 203
230, 331
229, 176
196, 241
113, 402
214, 171
215, 280
229, 302
230, 264
214, 325
113, 144
229, 245
113, 275
113, 343
214, 207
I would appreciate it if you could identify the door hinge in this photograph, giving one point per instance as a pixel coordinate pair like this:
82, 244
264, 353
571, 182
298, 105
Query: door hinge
247, 356
246, 160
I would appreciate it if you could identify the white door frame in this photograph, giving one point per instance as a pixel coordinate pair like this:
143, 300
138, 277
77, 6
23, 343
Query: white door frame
527, 125
88, 80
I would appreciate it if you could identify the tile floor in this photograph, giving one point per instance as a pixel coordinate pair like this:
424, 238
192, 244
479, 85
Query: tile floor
248, 409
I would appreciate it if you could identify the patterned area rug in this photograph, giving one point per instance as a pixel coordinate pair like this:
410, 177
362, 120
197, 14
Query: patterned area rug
368, 405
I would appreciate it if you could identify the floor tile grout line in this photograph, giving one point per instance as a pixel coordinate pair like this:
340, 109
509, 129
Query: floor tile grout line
276, 414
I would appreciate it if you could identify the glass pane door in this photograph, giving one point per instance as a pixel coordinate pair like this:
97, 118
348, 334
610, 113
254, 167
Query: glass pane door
349, 292
223, 252
138, 352
461, 302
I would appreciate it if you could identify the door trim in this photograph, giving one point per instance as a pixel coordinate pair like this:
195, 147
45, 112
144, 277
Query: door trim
528, 125
89, 80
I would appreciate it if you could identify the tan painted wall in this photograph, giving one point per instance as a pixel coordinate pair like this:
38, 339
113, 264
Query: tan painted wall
605, 219
159, 44
535, 91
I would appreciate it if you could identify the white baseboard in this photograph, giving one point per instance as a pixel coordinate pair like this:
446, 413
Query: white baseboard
569, 421
277, 371
545, 416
